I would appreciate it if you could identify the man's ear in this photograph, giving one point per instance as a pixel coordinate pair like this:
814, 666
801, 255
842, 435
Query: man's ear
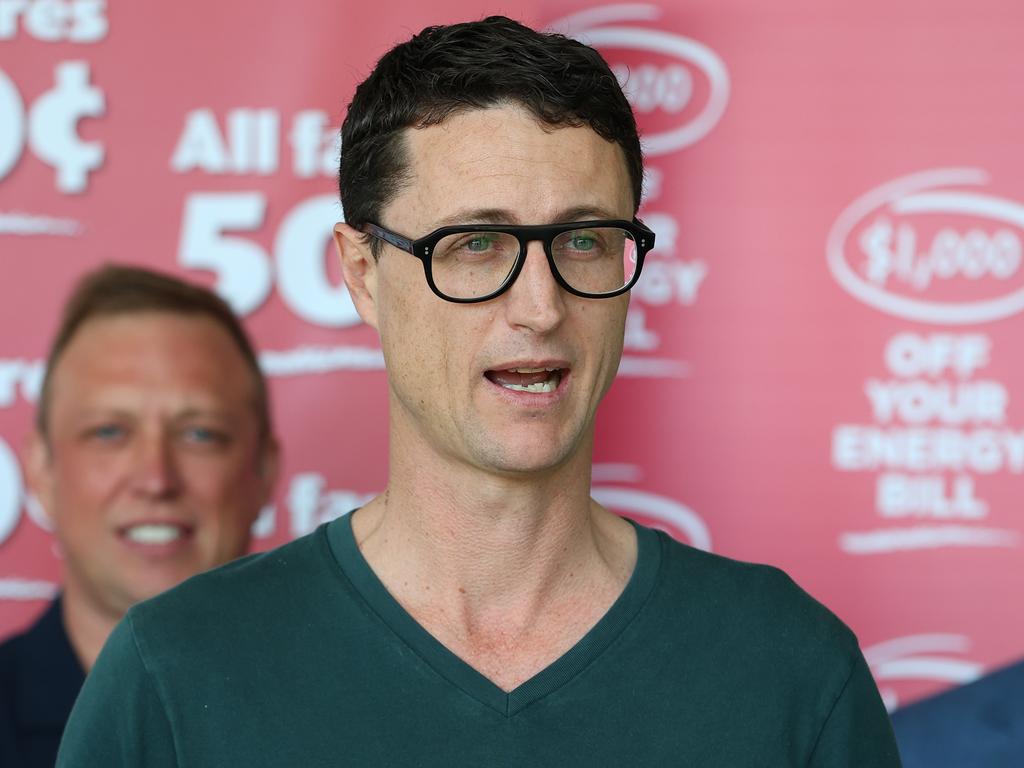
360, 270
38, 466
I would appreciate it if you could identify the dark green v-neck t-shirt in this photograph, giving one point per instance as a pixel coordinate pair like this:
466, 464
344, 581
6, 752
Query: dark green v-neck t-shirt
300, 657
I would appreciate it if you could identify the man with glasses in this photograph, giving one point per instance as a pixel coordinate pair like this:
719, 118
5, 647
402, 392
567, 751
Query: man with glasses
484, 610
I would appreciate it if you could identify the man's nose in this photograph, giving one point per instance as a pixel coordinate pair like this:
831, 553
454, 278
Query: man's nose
536, 301
156, 470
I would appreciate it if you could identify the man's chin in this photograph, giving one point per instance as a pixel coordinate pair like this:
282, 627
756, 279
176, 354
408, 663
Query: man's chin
527, 457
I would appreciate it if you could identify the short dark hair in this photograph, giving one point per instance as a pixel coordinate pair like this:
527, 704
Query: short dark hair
121, 290
474, 65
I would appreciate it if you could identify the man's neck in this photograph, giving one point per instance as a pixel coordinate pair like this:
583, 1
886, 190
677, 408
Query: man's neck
508, 572
87, 627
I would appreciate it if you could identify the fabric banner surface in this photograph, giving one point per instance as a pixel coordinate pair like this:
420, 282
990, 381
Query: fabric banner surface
820, 369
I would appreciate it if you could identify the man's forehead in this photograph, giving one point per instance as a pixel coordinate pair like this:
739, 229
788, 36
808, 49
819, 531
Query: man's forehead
153, 349
129, 403
77, 401
495, 165
475, 215
481, 133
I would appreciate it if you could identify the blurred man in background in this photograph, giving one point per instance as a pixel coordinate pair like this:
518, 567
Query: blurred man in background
978, 724
152, 455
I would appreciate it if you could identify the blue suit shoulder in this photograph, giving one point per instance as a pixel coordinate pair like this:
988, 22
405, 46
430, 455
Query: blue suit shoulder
978, 724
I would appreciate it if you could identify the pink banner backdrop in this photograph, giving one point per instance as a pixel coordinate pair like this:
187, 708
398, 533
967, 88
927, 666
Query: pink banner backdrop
822, 363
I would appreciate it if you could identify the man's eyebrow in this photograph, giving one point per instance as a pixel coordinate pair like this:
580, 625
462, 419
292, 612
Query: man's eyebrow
477, 216
94, 412
189, 412
502, 216
584, 212
201, 412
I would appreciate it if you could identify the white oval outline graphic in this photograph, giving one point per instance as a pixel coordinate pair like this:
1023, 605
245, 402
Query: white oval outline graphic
667, 510
10, 491
35, 512
900, 193
12, 120
656, 41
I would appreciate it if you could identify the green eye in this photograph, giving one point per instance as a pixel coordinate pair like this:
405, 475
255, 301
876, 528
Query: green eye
583, 242
479, 244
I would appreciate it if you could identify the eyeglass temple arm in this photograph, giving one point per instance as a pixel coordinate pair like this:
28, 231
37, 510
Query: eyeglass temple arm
387, 236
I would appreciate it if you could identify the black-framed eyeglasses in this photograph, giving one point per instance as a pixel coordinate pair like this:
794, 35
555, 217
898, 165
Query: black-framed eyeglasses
467, 263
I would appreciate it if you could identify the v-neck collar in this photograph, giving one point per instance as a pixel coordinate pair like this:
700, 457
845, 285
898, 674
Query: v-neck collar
351, 561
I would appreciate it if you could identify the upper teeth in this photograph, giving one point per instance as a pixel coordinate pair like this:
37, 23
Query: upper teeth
531, 370
154, 533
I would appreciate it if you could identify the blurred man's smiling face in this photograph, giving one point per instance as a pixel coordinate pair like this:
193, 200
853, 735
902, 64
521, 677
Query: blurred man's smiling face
155, 463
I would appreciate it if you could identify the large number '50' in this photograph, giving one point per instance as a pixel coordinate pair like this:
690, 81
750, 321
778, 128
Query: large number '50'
245, 272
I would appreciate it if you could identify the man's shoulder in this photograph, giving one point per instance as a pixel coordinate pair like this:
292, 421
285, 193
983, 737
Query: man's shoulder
10, 647
987, 714
13, 650
998, 690
254, 587
42, 649
15, 645
737, 598
752, 647
40, 676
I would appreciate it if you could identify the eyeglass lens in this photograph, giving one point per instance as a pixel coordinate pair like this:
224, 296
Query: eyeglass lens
593, 260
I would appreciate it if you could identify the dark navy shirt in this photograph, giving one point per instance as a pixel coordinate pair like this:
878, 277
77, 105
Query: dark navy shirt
40, 677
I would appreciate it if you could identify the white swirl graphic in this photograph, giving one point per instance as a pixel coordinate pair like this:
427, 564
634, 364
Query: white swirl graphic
677, 518
26, 589
922, 537
920, 657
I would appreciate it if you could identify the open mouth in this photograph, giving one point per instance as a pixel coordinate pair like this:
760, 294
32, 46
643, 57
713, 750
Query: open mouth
155, 533
533, 380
